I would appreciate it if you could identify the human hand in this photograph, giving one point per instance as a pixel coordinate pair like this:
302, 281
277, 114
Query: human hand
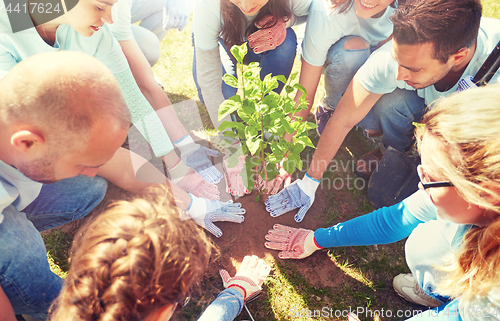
204, 212
300, 194
235, 177
269, 38
294, 243
273, 186
176, 14
196, 157
249, 277
190, 181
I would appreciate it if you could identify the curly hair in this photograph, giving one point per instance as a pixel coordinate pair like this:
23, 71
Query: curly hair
133, 259
467, 126
232, 32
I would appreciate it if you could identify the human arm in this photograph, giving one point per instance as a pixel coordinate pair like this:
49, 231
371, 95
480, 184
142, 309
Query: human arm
352, 108
6, 310
309, 78
153, 93
244, 285
382, 226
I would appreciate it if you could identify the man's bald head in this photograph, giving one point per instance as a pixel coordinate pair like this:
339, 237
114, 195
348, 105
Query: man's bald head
62, 95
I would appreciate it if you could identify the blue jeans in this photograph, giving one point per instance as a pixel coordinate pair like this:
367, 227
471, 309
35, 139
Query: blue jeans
226, 307
278, 61
340, 67
25, 274
393, 115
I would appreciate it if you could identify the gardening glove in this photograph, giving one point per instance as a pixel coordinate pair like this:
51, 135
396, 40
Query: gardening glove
195, 156
269, 36
294, 243
204, 212
176, 14
466, 83
300, 194
235, 178
273, 186
250, 276
190, 181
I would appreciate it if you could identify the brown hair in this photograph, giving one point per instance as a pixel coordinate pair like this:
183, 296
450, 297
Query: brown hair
467, 126
449, 24
232, 32
133, 259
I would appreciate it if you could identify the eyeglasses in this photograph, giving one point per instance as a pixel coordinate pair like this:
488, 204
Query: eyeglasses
426, 183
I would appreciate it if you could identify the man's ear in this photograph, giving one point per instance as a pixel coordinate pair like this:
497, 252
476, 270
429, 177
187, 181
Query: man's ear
458, 57
26, 141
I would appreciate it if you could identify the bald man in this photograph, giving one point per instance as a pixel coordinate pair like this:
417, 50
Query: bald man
62, 116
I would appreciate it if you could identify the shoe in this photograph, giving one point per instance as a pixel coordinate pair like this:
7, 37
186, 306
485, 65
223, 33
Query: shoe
322, 115
407, 288
368, 163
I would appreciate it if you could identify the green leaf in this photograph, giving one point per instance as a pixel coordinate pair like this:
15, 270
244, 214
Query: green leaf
286, 125
229, 133
251, 132
304, 140
288, 89
253, 65
230, 80
301, 88
310, 125
232, 161
289, 166
281, 78
239, 52
293, 76
227, 124
253, 144
228, 106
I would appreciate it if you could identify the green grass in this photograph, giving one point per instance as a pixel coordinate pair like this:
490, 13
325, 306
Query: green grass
362, 276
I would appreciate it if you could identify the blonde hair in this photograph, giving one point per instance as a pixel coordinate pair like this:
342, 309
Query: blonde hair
467, 126
132, 260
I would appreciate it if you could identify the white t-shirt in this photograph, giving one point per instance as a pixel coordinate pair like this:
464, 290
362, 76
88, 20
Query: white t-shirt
326, 26
207, 21
16, 189
122, 19
378, 74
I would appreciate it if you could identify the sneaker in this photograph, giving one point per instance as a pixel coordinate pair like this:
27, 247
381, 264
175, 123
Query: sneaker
407, 288
322, 115
368, 163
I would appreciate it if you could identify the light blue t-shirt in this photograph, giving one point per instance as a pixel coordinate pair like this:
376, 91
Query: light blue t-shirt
15, 47
122, 19
208, 22
325, 26
378, 74
16, 189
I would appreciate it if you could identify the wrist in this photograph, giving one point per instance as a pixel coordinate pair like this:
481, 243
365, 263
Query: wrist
186, 145
197, 207
240, 289
310, 184
310, 244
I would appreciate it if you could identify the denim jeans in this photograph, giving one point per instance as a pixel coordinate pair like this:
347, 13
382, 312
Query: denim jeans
393, 115
340, 67
278, 61
25, 274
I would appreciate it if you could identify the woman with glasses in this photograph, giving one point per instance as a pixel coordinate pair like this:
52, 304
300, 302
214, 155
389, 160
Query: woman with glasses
137, 262
453, 249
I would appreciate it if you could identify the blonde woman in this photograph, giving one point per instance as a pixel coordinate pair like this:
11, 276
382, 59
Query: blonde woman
453, 249
137, 261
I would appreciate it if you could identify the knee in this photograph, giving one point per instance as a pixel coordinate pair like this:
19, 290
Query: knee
289, 45
355, 43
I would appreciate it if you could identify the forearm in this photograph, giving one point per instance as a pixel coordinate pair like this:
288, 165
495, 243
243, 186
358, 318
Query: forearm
382, 226
6, 310
135, 174
209, 74
352, 108
225, 308
153, 93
